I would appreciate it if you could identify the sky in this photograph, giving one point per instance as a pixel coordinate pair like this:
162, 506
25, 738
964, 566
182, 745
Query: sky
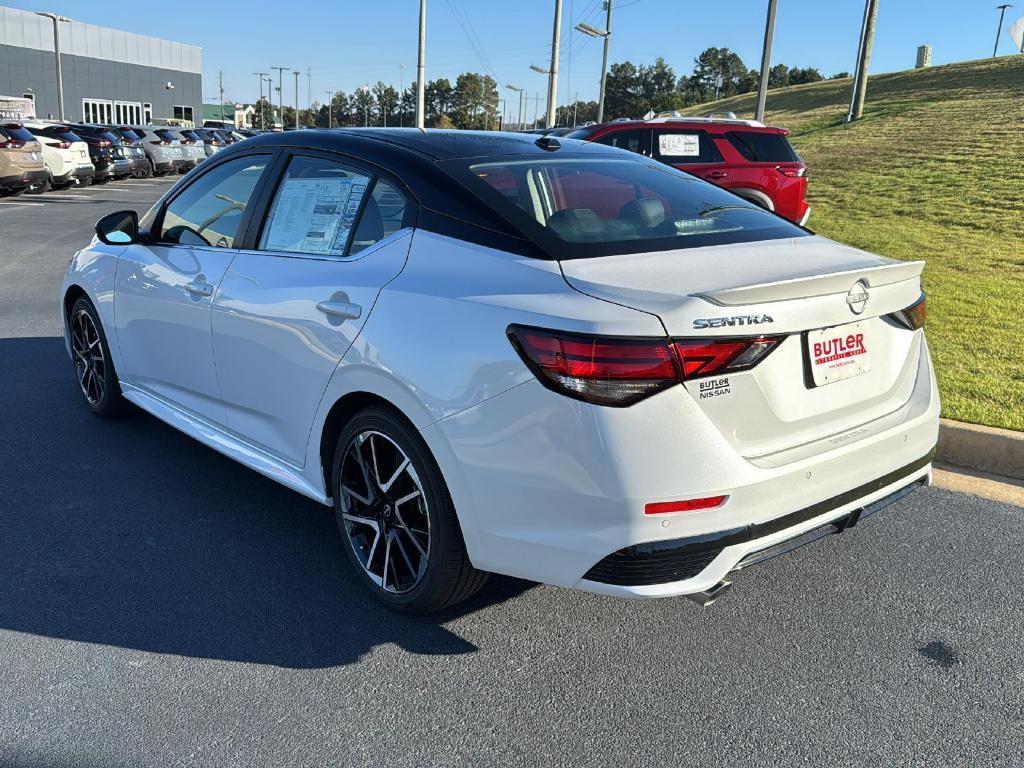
344, 44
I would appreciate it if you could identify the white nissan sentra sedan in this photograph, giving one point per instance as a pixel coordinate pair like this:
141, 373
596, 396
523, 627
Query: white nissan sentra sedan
507, 353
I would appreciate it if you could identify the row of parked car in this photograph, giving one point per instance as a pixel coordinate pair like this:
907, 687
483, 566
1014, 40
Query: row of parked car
39, 155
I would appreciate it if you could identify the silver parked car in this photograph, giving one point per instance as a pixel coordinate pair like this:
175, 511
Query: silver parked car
162, 148
213, 142
192, 143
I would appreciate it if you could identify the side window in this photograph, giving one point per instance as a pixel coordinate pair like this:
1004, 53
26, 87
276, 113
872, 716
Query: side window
635, 140
315, 208
685, 147
382, 216
210, 210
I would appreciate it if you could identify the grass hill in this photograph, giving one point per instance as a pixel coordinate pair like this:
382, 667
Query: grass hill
934, 171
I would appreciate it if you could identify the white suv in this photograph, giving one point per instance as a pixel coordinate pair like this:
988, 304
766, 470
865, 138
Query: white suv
65, 154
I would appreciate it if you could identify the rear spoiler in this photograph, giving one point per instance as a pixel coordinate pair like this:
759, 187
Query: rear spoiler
814, 285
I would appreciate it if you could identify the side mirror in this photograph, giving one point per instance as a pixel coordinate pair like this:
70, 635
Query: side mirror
121, 228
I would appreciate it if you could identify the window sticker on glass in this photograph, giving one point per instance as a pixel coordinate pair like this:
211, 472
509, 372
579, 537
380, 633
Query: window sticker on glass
679, 144
315, 215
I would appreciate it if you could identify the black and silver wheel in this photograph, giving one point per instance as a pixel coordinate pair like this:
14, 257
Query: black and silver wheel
93, 367
396, 518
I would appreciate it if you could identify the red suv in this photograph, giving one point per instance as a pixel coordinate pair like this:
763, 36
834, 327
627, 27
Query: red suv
748, 158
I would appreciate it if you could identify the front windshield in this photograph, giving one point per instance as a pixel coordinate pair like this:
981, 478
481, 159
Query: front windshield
621, 205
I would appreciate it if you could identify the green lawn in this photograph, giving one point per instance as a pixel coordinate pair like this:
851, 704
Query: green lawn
934, 171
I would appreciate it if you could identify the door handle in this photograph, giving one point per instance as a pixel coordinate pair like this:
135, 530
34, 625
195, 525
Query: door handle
343, 310
199, 288
717, 174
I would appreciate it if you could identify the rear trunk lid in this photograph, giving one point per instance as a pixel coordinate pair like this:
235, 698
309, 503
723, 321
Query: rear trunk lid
830, 303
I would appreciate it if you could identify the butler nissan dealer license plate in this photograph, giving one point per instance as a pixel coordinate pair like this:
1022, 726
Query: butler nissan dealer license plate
838, 353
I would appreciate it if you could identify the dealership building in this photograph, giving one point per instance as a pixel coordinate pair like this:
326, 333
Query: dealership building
108, 76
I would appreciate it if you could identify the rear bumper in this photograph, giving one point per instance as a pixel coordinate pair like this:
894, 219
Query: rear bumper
83, 173
548, 489
13, 183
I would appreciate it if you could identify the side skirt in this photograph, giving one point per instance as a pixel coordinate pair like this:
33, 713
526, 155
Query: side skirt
212, 436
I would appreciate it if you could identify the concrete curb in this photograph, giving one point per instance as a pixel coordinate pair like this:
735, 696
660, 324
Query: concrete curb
984, 449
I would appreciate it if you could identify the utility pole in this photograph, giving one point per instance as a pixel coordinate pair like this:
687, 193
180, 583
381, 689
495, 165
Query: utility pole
401, 95
330, 108
421, 65
860, 78
57, 20
553, 72
517, 89
296, 73
309, 87
259, 104
1002, 12
220, 84
766, 61
280, 92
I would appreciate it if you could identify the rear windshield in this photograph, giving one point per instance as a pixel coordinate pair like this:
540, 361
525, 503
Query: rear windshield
129, 135
62, 134
584, 206
763, 147
18, 133
166, 135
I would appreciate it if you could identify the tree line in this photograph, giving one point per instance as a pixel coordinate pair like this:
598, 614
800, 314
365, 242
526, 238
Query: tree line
473, 101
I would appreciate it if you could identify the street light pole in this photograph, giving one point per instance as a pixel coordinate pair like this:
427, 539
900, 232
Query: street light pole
296, 73
766, 61
330, 108
57, 19
259, 103
1002, 12
421, 67
280, 92
553, 72
606, 33
401, 95
518, 90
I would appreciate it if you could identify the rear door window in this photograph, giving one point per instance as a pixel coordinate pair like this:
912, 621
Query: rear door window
763, 147
383, 215
685, 147
637, 140
315, 208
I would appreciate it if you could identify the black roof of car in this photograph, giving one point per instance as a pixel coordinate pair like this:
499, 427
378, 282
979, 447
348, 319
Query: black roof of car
435, 144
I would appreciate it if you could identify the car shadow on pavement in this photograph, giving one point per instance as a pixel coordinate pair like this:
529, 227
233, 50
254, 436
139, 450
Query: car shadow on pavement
128, 533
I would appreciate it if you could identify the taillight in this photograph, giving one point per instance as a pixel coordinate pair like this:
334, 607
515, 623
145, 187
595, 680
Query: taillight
105, 143
708, 357
63, 145
598, 369
791, 171
12, 144
617, 371
916, 314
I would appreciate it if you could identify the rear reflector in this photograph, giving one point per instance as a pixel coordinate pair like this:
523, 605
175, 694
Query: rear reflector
689, 505
612, 370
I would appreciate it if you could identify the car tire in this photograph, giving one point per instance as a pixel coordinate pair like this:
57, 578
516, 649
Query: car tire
94, 368
391, 501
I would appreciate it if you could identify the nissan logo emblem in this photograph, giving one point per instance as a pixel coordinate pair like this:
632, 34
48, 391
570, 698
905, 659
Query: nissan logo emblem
857, 298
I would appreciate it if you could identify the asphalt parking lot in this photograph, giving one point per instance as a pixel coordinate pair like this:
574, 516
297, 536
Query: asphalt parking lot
163, 606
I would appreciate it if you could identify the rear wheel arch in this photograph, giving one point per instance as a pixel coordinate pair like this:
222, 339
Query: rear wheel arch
337, 417
755, 196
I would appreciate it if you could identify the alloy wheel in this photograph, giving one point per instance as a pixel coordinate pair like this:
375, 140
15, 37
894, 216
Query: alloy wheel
90, 362
384, 511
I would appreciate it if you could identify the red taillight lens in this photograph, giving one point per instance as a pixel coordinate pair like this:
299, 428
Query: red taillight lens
610, 370
105, 143
602, 370
63, 145
709, 357
12, 144
688, 505
792, 172
916, 314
